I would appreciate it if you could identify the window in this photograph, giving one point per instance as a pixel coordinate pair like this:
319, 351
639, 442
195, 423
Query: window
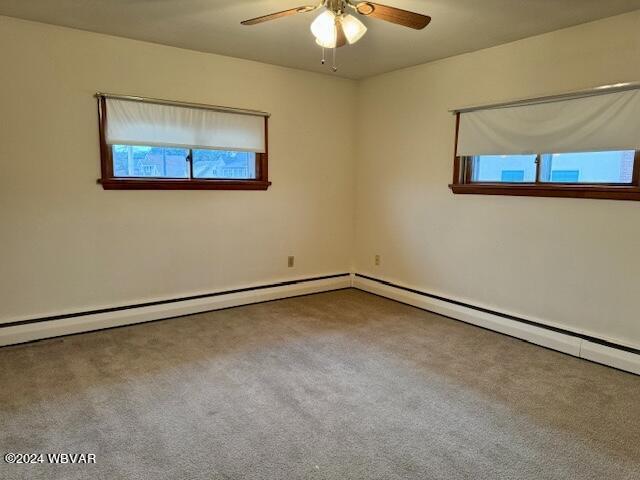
573, 139
153, 144
219, 164
135, 161
132, 161
589, 167
607, 168
600, 174
504, 168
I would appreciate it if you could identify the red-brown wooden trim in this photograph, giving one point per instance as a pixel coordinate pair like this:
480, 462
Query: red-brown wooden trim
636, 169
106, 165
457, 167
109, 182
263, 171
621, 192
181, 184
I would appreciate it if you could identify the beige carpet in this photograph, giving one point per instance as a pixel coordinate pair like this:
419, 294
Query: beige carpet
342, 385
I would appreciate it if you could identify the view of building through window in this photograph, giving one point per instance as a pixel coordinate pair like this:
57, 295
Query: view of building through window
594, 167
219, 164
169, 162
504, 168
589, 167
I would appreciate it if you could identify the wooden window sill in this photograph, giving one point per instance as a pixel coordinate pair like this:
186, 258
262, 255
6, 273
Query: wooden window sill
610, 192
179, 184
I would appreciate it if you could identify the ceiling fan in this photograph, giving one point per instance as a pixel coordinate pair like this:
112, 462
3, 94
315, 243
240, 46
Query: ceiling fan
336, 27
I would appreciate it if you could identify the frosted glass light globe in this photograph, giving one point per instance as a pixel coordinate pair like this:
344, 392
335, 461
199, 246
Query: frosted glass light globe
353, 28
325, 30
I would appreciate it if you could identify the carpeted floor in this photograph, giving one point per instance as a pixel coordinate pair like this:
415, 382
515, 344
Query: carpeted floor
341, 385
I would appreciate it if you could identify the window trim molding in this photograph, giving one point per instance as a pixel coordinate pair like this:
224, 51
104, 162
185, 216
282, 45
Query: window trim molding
110, 182
462, 184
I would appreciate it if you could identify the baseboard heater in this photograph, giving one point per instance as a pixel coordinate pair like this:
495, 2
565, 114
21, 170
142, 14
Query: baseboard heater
583, 346
591, 348
26, 330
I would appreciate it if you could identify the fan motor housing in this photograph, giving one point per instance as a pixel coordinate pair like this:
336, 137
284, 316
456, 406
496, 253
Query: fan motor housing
336, 6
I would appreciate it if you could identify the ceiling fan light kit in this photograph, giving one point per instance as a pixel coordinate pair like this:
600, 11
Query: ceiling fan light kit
334, 27
325, 29
353, 28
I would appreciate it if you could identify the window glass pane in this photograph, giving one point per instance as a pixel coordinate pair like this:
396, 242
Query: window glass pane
222, 164
512, 176
588, 167
570, 176
504, 168
153, 162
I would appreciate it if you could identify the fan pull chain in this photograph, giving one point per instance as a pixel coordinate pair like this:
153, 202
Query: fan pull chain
323, 58
334, 68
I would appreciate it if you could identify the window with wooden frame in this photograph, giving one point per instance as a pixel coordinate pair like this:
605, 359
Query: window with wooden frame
585, 146
151, 144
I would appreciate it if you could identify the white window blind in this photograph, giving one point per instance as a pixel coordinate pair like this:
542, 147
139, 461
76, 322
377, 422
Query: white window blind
588, 124
131, 122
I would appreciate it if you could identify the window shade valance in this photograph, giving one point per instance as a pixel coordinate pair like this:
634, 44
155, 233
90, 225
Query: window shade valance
131, 122
588, 124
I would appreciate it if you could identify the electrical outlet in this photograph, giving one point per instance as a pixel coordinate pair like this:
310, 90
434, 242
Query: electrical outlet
291, 261
377, 260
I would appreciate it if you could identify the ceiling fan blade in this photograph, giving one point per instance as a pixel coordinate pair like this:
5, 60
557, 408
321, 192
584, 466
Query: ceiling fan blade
393, 15
285, 13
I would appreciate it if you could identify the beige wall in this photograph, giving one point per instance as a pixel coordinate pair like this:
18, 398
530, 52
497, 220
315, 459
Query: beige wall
68, 245
569, 262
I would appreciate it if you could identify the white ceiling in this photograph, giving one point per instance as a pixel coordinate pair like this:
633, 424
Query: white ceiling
458, 26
